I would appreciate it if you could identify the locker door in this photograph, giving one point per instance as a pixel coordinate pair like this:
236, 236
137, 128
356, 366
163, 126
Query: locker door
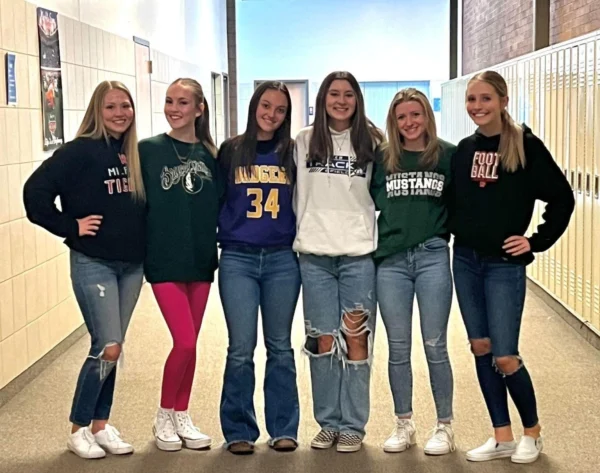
580, 155
551, 144
595, 257
588, 131
572, 157
532, 92
546, 117
558, 153
541, 132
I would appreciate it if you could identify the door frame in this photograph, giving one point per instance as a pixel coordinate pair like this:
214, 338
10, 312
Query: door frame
303, 82
146, 43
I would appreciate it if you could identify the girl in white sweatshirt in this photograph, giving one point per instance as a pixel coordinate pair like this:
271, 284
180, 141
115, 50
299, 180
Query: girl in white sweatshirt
336, 236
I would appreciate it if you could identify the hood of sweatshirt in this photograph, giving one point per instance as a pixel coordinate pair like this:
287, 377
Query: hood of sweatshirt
334, 209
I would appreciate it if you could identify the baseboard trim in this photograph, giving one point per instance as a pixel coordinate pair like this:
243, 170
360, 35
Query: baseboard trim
582, 327
20, 382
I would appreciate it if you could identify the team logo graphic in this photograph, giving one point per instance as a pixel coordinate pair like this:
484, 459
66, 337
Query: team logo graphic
338, 165
191, 175
485, 167
425, 183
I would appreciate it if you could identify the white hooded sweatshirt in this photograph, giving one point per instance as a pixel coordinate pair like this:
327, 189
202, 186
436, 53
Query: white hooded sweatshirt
334, 209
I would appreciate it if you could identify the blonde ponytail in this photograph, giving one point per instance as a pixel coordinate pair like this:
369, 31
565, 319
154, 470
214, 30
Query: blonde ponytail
511, 150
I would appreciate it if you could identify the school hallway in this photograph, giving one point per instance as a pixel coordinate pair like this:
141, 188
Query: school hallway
565, 369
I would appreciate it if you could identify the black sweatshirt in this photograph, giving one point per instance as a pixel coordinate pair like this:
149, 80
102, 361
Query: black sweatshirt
488, 204
90, 177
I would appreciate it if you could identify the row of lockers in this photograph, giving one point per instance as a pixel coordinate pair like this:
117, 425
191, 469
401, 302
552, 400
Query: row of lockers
557, 93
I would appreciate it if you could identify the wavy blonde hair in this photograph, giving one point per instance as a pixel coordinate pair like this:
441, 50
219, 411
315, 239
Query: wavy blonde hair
394, 149
511, 149
93, 127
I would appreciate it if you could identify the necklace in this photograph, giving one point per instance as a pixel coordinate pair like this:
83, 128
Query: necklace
183, 159
337, 143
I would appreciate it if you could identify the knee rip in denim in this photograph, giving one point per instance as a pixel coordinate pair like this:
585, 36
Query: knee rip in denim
355, 330
106, 363
510, 359
480, 346
436, 350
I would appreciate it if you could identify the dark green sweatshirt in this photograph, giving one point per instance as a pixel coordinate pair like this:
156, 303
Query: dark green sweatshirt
183, 206
412, 202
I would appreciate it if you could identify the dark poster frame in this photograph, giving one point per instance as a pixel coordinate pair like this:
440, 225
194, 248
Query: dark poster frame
50, 79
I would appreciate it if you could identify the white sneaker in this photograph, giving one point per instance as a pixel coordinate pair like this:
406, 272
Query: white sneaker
403, 436
491, 450
83, 443
528, 450
442, 440
110, 440
164, 431
189, 433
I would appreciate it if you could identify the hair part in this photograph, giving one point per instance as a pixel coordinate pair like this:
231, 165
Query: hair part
202, 123
243, 147
511, 149
364, 135
92, 126
394, 150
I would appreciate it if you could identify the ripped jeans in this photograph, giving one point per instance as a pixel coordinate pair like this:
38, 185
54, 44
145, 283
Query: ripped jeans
107, 292
331, 287
491, 296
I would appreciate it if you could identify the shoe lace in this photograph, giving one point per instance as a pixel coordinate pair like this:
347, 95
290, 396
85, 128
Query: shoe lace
440, 434
184, 422
401, 429
166, 424
113, 433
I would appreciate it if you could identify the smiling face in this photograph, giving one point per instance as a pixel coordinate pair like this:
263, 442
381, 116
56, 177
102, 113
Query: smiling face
117, 112
485, 106
270, 113
181, 108
411, 121
340, 104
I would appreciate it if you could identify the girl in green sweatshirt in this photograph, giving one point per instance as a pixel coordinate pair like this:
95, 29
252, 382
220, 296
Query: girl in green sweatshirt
409, 188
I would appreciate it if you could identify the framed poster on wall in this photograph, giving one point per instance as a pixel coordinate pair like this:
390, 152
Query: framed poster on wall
51, 79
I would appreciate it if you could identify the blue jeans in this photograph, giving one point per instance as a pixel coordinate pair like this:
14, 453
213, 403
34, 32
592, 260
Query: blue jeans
107, 292
491, 296
332, 287
425, 271
250, 278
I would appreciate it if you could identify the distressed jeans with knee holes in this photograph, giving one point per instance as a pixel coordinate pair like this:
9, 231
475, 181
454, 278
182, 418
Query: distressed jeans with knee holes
332, 287
425, 271
491, 296
107, 292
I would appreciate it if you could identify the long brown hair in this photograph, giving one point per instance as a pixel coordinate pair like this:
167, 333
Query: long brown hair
364, 134
394, 150
202, 123
511, 149
92, 126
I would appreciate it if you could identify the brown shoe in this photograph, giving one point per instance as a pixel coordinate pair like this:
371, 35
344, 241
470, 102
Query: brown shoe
284, 445
241, 448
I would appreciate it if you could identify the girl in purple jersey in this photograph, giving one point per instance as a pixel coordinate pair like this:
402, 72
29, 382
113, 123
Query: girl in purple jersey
259, 269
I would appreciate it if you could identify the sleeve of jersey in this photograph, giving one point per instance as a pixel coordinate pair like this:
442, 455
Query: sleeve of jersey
552, 187
40, 192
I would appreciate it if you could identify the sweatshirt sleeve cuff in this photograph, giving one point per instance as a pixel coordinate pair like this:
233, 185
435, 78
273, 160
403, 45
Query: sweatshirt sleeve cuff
536, 244
72, 230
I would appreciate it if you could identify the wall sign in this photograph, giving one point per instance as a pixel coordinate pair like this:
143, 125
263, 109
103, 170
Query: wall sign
11, 79
51, 79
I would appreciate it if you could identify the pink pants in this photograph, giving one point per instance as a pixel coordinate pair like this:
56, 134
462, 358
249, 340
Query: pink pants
182, 305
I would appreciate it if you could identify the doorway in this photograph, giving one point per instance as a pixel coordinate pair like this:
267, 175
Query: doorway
143, 88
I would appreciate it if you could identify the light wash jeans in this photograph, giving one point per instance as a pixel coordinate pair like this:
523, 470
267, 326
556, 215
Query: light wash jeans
340, 387
268, 278
107, 292
425, 271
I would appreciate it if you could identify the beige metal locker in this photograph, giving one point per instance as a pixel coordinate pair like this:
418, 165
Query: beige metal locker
559, 156
595, 257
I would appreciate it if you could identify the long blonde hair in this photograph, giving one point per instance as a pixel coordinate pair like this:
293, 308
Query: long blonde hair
511, 149
93, 127
202, 123
394, 149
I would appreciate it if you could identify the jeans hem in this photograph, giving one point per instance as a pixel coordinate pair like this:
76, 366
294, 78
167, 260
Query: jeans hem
498, 426
272, 441
229, 444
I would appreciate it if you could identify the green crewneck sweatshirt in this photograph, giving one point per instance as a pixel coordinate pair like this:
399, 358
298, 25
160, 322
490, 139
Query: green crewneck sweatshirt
182, 195
412, 202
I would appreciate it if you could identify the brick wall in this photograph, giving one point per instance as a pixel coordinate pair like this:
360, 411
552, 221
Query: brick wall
572, 18
232, 67
495, 31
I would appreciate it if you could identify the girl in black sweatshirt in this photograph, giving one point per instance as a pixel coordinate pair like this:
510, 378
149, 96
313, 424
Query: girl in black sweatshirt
102, 218
498, 174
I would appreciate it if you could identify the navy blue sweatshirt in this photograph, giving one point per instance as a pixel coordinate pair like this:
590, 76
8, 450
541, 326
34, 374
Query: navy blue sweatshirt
90, 177
488, 204
258, 207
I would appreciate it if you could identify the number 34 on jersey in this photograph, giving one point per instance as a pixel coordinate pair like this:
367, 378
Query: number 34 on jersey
263, 204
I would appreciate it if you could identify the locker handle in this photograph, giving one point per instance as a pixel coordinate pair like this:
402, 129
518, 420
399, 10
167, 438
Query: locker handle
588, 180
579, 182
596, 186
573, 180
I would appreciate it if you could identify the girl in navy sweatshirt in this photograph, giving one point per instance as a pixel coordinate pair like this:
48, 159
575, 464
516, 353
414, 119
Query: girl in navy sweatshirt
98, 179
258, 268
498, 174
